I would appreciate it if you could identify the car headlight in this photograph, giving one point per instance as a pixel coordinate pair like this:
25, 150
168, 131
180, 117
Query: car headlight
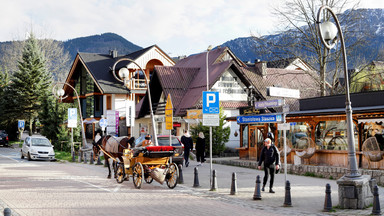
51, 152
33, 151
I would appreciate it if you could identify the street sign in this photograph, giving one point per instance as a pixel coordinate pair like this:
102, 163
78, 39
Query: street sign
211, 102
259, 119
211, 120
103, 122
21, 124
283, 126
130, 113
270, 103
72, 117
283, 92
169, 114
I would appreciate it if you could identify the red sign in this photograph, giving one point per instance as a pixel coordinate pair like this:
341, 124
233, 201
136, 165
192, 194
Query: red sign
176, 124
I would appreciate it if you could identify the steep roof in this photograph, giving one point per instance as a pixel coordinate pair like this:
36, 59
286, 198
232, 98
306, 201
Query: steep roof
293, 79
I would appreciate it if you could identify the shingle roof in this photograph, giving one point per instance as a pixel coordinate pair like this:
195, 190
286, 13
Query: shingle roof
293, 79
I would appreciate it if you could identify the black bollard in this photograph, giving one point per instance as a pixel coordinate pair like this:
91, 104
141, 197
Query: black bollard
7, 212
99, 161
214, 181
328, 200
287, 200
91, 159
196, 179
233, 185
376, 202
73, 156
79, 159
85, 157
257, 194
372, 184
180, 180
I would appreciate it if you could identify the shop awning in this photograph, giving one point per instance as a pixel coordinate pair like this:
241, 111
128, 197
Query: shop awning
372, 120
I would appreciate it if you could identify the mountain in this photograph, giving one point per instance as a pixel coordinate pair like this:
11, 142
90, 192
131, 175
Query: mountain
372, 21
102, 43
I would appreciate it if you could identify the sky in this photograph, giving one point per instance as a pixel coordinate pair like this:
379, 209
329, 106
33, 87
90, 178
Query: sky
178, 27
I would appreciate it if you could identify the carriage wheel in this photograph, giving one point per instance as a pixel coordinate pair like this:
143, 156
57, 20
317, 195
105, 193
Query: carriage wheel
138, 175
148, 178
120, 173
172, 176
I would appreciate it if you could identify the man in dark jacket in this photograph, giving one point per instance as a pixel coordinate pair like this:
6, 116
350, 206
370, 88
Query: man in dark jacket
271, 157
187, 141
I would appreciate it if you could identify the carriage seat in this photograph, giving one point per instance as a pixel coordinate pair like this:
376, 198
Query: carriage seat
159, 151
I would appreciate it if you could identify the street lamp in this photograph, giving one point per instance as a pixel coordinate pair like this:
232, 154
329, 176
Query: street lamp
328, 35
59, 94
123, 76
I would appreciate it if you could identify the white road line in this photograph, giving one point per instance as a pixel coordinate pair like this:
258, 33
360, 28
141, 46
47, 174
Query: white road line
9, 157
94, 185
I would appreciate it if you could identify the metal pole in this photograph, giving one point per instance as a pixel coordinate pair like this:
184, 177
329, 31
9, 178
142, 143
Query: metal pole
81, 116
149, 94
353, 170
210, 128
285, 145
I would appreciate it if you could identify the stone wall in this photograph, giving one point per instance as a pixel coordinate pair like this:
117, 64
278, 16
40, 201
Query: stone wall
308, 170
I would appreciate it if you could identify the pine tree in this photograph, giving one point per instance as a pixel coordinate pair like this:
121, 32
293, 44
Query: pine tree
31, 82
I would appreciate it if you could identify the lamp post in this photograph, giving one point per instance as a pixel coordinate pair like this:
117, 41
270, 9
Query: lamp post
59, 93
123, 76
328, 35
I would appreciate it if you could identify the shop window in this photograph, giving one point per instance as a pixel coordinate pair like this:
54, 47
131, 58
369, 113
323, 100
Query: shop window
332, 135
374, 129
298, 135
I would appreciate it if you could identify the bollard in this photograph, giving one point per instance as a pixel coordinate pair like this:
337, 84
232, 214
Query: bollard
257, 194
372, 184
180, 180
328, 200
91, 159
99, 161
73, 156
7, 212
287, 199
233, 185
214, 181
85, 157
196, 178
79, 159
376, 202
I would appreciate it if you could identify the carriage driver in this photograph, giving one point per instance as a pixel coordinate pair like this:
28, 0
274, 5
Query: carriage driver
147, 141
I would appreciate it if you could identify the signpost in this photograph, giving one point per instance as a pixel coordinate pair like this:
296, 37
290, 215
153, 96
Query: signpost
20, 126
211, 106
289, 93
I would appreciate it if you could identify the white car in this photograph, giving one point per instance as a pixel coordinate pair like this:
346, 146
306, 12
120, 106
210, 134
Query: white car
37, 148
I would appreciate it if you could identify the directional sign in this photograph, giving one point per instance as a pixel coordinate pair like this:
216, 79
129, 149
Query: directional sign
211, 102
21, 124
269, 103
259, 119
72, 117
169, 114
103, 122
283, 92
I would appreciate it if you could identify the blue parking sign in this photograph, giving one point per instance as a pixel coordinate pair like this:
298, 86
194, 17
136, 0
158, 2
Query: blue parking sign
72, 117
21, 124
211, 102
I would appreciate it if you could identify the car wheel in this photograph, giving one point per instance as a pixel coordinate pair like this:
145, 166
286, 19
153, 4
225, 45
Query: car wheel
22, 156
29, 157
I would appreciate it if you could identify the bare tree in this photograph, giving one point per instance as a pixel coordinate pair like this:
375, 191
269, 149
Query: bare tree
299, 38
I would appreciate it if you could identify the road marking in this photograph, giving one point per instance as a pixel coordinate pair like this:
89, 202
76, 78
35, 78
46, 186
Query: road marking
98, 187
117, 188
9, 157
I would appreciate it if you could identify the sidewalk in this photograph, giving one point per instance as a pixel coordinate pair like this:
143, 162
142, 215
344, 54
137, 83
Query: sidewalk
307, 193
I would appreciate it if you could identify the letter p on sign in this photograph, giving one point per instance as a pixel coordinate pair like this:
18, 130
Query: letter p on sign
211, 102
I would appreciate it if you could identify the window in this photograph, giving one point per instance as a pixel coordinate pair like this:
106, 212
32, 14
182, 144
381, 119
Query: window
374, 129
245, 136
332, 135
109, 102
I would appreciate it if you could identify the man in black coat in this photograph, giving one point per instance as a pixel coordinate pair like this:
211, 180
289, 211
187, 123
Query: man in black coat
271, 158
187, 141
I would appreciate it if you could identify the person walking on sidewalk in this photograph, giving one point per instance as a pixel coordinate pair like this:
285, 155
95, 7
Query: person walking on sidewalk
200, 148
186, 139
271, 157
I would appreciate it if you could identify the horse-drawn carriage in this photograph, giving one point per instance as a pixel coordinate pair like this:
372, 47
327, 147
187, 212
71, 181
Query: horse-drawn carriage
143, 163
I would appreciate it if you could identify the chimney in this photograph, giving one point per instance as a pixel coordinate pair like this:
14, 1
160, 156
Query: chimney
261, 67
113, 53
